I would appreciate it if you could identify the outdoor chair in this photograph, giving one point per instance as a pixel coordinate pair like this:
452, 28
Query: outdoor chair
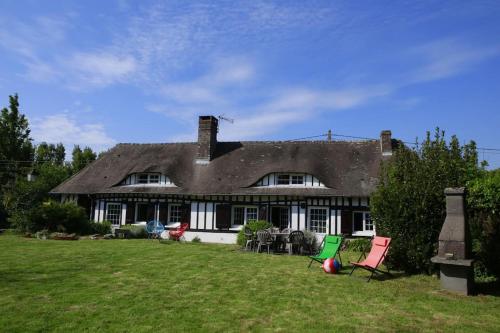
249, 238
287, 230
154, 229
264, 238
329, 249
295, 240
178, 232
378, 252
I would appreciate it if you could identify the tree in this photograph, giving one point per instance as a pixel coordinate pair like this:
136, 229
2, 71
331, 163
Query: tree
81, 158
16, 150
409, 203
50, 153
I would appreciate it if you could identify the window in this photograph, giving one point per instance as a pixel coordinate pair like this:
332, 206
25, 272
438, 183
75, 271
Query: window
251, 214
175, 213
243, 215
145, 212
362, 222
297, 179
283, 179
143, 179
155, 179
146, 178
239, 215
318, 218
114, 213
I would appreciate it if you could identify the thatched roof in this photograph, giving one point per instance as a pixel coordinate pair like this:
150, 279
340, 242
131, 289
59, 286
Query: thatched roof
346, 168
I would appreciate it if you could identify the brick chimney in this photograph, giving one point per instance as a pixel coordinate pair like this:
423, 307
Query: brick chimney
386, 143
207, 138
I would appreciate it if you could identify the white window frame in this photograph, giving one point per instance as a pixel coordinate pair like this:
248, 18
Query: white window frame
245, 214
119, 215
291, 176
327, 215
365, 231
170, 206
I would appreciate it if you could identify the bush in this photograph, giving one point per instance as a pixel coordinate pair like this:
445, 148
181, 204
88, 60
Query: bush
196, 239
483, 201
310, 238
254, 226
136, 231
359, 245
101, 228
54, 216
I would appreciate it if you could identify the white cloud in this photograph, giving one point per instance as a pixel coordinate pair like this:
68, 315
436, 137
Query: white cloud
101, 69
63, 128
448, 57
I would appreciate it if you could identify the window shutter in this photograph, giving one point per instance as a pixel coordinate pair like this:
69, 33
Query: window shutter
185, 213
346, 224
223, 213
129, 218
163, 215
151, 212
263, 213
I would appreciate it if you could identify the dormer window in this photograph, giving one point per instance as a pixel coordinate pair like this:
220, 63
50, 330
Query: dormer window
286, 179
281, 179
146, 178
297, 179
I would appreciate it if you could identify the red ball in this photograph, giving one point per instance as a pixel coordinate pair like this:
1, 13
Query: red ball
331, 266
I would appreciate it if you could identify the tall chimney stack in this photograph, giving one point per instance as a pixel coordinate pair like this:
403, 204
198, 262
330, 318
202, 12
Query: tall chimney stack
207, 138
386, 143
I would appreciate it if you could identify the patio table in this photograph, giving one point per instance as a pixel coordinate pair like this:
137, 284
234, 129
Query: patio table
278, 237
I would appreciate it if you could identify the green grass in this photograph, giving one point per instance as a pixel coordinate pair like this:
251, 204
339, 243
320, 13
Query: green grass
145, 286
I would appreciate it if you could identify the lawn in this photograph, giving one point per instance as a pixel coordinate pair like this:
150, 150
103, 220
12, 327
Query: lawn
145, 286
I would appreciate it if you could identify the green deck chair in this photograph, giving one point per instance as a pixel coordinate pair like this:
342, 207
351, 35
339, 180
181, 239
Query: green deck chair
329, 249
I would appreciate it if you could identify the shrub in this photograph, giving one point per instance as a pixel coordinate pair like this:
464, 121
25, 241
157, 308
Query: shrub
310, 238
254, 226
136, 231
101, 228
55, 216
196, 239
483, 201
359, 245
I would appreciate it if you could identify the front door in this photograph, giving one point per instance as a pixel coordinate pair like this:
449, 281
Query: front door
280, 217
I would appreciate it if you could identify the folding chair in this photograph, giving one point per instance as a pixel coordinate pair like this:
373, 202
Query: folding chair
378, 252
330, 249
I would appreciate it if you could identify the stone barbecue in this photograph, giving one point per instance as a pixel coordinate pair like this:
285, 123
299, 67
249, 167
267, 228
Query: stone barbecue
454, 253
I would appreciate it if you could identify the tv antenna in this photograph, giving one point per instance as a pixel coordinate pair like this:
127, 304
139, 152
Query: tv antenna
223, 117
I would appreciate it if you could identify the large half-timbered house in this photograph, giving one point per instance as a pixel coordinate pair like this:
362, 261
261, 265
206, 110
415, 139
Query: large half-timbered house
217, 187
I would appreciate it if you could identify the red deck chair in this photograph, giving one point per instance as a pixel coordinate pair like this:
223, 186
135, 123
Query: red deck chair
380, 246
178, 232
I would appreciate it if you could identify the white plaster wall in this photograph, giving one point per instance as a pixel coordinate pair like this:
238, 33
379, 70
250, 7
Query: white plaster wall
193, 215
212, 237
210, 213
295, 217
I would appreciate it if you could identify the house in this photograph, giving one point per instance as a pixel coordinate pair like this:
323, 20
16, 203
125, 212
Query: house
217, 187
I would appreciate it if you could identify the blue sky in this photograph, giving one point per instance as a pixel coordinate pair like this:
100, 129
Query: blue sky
101, 72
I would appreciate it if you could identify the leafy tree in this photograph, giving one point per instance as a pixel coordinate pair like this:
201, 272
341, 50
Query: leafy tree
82, 158
50, 153
409, 203
15, 149
28, 194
